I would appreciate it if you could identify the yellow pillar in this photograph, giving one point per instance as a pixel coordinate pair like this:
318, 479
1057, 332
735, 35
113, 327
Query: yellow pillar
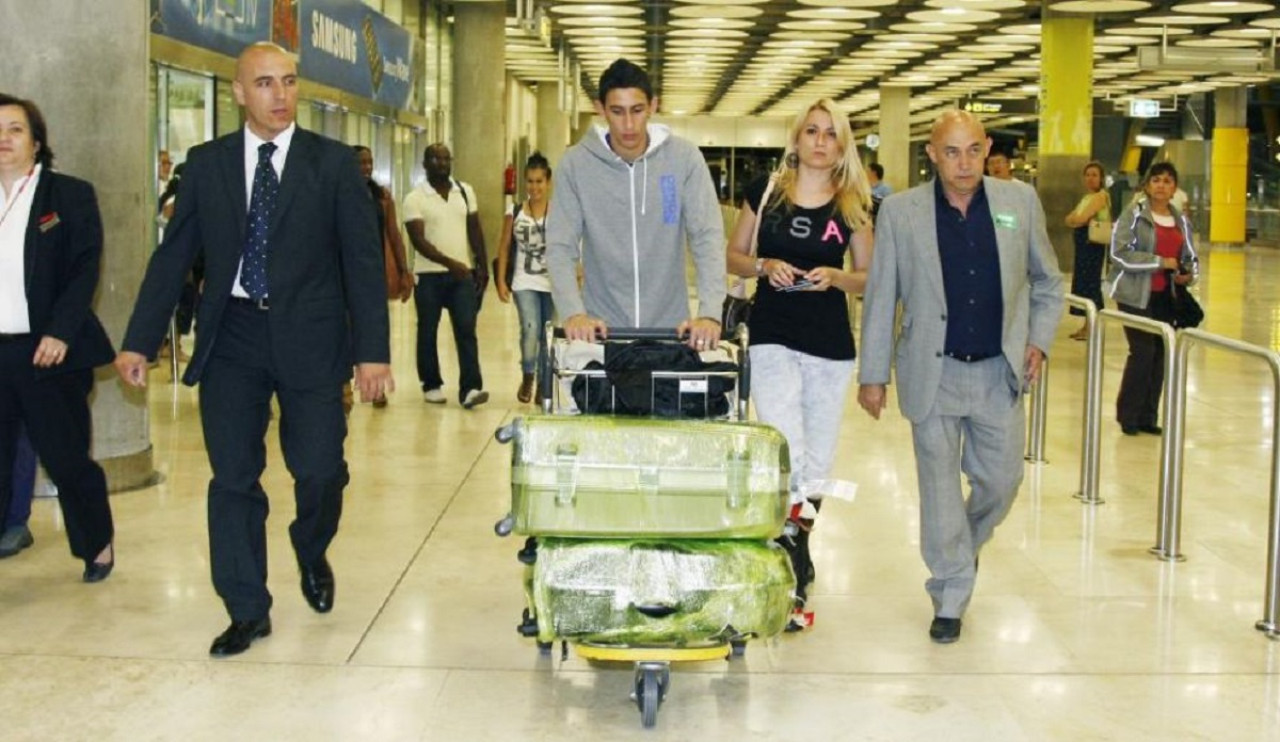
1066, 120
1229, 172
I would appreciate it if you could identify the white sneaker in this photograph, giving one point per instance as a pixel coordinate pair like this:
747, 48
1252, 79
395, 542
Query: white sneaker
474, 398
434, 396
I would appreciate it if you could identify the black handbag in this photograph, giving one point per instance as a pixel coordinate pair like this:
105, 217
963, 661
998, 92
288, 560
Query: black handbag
735, 311
1187, 312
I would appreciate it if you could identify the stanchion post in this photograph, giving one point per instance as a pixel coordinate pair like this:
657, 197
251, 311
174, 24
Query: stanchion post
1091, 413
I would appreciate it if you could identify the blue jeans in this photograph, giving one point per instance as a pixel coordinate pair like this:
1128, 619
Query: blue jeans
435, 293
24, 482
536, 309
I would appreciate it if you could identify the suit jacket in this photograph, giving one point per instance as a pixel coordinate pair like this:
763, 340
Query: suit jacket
906, 269
324, 263
62, 256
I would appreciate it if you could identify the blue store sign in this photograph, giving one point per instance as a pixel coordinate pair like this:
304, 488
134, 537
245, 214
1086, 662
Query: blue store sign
340, 43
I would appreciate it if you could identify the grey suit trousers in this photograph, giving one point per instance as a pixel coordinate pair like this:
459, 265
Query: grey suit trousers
976, 427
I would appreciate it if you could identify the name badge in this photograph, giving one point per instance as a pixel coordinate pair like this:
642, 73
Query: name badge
1006, 221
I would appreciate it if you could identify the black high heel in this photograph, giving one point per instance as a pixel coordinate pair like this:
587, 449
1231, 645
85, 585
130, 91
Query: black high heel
98, 571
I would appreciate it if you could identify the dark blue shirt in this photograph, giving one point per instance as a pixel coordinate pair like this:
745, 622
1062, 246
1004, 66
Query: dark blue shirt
970, 276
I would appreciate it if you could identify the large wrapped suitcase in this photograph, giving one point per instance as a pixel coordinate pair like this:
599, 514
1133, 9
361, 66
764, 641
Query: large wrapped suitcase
606, 477
668, 594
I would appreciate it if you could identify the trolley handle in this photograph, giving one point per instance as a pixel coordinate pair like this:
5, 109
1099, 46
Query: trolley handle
633, 333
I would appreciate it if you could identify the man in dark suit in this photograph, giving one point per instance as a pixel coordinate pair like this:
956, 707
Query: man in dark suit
293, 296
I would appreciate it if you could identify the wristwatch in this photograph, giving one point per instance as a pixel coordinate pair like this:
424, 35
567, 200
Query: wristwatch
759, 266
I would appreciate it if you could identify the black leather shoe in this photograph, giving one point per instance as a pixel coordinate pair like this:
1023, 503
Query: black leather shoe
1151, 429
99, 571
1130, 429
318, 585
238, 636
944, 630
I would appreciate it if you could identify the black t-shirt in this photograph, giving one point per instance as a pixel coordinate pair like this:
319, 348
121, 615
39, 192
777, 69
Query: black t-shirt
812, 322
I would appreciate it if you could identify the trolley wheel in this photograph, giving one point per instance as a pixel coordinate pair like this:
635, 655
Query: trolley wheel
544, 648
737, 647
649, 692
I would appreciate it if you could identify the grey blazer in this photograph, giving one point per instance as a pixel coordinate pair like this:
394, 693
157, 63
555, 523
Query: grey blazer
906, 269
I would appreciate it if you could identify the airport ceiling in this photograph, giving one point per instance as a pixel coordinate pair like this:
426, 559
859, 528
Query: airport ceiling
771, 57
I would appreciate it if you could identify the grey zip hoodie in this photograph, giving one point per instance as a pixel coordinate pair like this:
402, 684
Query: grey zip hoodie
632, 221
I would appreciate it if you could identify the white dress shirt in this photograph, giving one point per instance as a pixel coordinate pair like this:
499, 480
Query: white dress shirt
251, 144
15, 215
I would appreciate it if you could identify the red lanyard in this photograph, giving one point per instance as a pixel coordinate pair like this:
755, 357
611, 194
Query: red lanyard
17, 195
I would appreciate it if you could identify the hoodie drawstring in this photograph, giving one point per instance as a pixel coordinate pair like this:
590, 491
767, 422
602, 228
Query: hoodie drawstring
644, 195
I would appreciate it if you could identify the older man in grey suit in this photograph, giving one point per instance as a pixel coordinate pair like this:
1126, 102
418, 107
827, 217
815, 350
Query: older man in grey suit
969, 261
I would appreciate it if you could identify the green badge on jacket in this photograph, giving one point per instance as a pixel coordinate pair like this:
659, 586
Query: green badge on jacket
1006, 221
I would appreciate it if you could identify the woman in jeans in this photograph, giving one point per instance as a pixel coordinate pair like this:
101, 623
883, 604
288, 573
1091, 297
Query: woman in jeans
1150, 247
522, 268
802, 350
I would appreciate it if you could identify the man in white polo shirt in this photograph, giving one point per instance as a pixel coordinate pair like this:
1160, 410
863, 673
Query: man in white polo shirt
443, 222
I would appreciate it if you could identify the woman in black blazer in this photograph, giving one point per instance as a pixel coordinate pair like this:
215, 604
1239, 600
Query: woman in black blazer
50, 339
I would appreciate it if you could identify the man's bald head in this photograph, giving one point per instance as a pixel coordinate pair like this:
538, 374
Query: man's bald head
956, 118
958, 147
266, 85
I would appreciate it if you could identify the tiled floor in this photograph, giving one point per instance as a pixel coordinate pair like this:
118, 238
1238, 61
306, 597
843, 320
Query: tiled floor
1075, 633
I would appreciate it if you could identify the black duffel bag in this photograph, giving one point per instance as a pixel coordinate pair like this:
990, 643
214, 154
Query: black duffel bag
629, 385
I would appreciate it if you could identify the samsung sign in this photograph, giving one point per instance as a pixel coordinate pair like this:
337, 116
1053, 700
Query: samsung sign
340, 43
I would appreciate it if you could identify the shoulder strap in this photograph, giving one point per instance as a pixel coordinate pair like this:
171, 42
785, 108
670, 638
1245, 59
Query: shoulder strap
465, 201
764, 200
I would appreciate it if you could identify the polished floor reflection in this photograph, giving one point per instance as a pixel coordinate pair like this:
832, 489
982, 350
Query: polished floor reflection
1075, 632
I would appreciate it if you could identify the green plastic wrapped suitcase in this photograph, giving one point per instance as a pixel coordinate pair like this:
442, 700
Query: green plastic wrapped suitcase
660, 594
610, 477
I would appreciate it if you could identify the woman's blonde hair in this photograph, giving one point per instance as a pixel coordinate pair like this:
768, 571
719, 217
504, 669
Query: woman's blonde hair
848, 177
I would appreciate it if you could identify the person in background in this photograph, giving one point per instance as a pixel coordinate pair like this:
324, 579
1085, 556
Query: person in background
1151, 246
631, 199
999, 164
185, 313
1086, 272
16, 535
968, 262
399, 277
880, 190
522, 269
802, 349
50, 339
443, 221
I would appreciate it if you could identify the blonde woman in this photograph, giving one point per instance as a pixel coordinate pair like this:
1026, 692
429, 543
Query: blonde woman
802, 350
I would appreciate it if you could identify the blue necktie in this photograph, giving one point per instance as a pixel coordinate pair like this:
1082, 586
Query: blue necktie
266, 187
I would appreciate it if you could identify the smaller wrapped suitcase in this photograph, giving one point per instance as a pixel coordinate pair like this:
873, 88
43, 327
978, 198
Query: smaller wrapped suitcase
660, 594
607, 477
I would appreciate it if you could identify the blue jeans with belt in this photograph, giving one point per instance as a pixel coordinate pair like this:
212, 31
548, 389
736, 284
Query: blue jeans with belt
435, 293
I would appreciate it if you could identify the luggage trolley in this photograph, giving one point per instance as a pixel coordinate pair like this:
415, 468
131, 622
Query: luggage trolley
640, 501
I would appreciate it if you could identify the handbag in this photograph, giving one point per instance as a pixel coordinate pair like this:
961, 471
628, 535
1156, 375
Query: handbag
736, 309
1187, 312
1100, 231
629, 386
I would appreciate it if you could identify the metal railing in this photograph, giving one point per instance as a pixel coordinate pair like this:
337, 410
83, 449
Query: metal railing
1166, 334
1091, 433
1170, 517
1039, 416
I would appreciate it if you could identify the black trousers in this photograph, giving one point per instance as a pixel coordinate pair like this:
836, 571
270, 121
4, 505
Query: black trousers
435, 293
235, 403
1138, 403
55, 411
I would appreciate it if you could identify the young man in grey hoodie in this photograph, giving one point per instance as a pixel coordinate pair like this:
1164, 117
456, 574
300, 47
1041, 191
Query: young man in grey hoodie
631, 195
